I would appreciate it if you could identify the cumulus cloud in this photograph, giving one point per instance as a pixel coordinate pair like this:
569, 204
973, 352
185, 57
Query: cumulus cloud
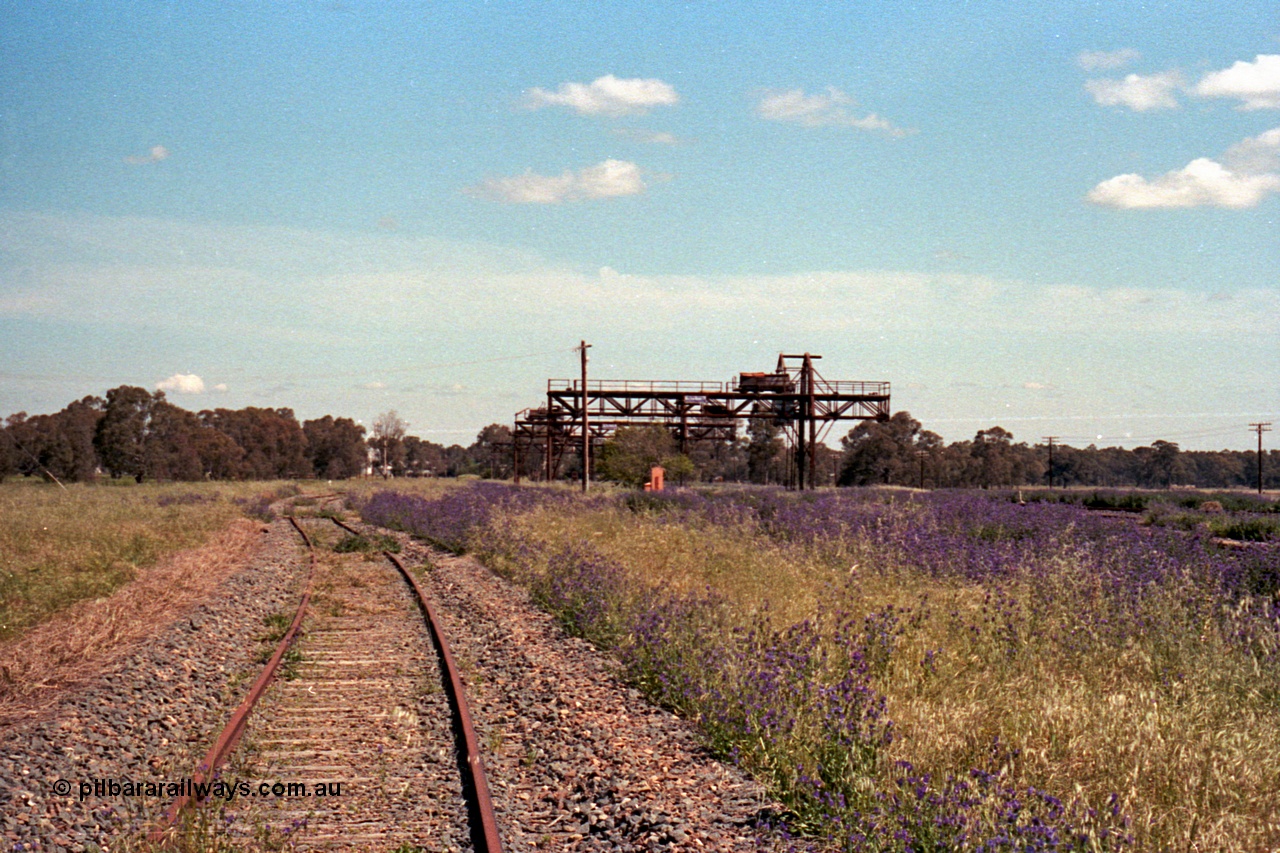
1107, 60
182, 383
649, 137
1249, 171
608, 95
1256, 155
1138, 92
609, 179
1255, 83
1202, 183
221, 388
155, 155
826, 110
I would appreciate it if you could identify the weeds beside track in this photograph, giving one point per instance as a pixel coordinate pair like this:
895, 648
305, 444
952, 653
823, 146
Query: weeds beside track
360, 688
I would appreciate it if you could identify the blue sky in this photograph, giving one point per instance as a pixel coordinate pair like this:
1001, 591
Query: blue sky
1056, 217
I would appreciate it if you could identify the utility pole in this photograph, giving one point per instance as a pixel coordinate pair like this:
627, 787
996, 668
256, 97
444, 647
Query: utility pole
922, 454
550, 473
1051, 439
812, 416
583, 346
1260, 428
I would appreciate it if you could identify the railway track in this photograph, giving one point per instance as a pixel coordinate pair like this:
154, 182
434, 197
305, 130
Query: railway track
360, 705
367, 741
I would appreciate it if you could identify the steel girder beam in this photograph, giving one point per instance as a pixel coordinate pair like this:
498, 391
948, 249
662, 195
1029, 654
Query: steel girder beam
793, 397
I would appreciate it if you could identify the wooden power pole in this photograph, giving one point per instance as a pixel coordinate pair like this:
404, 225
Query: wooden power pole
586, 421
1260, 428
1051, 439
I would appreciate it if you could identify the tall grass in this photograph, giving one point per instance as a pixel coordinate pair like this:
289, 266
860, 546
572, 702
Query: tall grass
59, 546
943, 674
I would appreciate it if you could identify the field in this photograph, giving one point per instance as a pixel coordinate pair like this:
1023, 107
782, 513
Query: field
903, 670
61, 546
908, 671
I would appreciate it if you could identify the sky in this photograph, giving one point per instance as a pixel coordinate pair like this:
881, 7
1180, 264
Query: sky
1059, 218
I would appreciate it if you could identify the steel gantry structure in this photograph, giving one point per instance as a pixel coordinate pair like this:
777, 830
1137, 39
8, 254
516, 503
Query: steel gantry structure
794, 397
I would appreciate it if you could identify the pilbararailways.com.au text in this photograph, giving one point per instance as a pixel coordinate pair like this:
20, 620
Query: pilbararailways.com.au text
220, 789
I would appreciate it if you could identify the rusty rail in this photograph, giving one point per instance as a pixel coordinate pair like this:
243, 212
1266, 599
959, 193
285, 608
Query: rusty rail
486, 839
230, 736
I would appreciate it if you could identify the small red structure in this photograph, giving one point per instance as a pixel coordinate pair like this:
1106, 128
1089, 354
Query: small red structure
655, 479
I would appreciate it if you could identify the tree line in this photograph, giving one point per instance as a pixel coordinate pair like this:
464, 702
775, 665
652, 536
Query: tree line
132, 432
135, 433
900, 451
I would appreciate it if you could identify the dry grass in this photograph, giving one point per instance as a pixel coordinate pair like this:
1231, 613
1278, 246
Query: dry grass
749, 571
1179, 723
60, 547
79, 641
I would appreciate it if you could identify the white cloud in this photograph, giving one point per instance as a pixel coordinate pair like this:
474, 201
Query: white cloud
449, 299
1202, 183
828, 110
1257, 154
650, 137
1255, 83
429, 290
1103, 60
1249, 171
609, 179
1036, 386
606, 95
155, 155
221, 388
182, 383
1138, 92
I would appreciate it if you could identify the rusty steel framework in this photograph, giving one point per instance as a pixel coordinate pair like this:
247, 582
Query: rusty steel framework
794, 397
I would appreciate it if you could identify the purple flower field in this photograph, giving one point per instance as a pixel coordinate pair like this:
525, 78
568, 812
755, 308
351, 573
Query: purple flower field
1062, 637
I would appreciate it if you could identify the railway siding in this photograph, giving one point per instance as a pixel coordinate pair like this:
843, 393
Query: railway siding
148, 717
365, 710
577, 760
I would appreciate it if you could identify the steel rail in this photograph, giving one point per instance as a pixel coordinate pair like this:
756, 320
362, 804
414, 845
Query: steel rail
226, 742
487, 840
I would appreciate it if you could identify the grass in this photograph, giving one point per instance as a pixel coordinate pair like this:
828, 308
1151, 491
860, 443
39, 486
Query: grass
1167, 731
60, 547
370, 545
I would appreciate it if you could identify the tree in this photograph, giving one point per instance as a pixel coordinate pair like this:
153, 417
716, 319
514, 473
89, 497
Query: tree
631, 453
1161, 464
491, 452
121, 435
991, 450
764, 451
57, 447
76, 427
884, 452
424, 458
220, 457
388, 433
275, 448
335, 447
172, 446
8, 464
